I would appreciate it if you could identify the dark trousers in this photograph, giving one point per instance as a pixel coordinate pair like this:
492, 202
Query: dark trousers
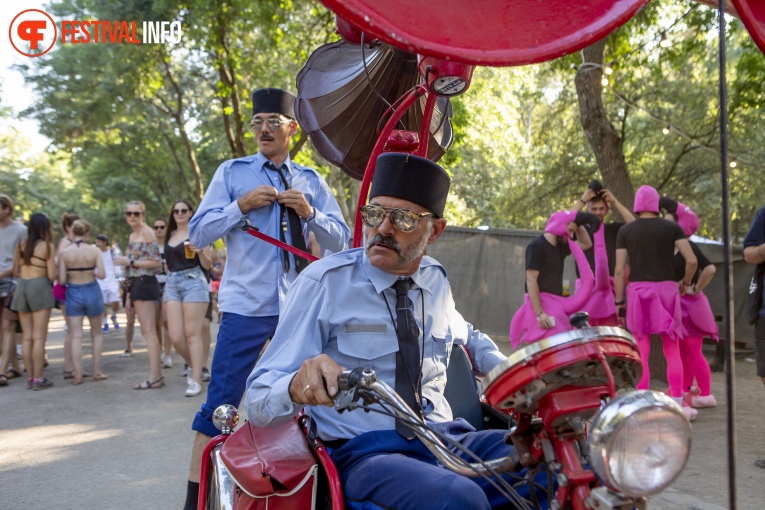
759, 345
382, 470
239, 342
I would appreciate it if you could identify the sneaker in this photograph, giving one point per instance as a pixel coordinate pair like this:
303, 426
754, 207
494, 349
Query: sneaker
42, 384
194, 389
167, 361
30, 383
185, 371
127, 353
205, 375
114, 321
703, 401
105, 328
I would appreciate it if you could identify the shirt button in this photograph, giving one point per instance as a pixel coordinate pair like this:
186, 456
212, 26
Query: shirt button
286, 408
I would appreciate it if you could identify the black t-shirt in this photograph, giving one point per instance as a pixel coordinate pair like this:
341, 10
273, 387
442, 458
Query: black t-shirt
680, 264
612, 229
650, 244
548, 260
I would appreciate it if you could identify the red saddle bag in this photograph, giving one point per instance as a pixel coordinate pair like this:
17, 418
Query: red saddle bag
273, 468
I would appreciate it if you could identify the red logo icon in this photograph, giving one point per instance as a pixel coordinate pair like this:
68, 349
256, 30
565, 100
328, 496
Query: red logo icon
33, 33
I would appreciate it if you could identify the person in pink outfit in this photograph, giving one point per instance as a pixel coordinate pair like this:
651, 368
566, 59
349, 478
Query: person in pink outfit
602, 256
698, 319
653, 295
545, 310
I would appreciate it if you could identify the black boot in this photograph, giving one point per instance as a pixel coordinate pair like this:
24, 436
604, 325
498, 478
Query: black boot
192, 495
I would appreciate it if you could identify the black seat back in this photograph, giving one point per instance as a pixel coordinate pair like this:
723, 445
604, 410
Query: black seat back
462, 390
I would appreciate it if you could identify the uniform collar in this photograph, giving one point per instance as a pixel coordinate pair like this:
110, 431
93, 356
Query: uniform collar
382, 280
261, 160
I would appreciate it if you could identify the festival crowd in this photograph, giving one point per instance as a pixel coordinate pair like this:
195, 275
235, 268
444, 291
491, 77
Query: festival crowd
386, 305
169, 284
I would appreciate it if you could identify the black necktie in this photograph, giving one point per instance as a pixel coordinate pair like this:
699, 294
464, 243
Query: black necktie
296, 229
408, 356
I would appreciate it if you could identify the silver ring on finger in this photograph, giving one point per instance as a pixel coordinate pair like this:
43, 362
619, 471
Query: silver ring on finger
307, 387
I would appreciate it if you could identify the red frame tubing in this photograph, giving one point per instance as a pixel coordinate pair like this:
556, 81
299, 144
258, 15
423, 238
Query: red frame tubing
333, 477
205, 471
577, 489
427, 116
409, 98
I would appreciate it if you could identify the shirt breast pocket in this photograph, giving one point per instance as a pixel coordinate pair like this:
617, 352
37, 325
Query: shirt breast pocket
442, 346
366, 347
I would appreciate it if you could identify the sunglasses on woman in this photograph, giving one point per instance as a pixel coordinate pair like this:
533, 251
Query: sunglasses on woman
134, 214
180, 211
404, 220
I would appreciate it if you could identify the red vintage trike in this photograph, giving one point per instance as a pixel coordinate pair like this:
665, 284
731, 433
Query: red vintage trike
571, 411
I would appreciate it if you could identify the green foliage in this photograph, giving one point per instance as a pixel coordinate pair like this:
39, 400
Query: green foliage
141, 121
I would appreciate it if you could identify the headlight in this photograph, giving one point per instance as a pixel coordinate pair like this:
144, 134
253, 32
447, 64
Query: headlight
640, 443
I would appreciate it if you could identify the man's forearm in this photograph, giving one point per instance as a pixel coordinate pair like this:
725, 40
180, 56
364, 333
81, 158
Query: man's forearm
755, 254
625, 213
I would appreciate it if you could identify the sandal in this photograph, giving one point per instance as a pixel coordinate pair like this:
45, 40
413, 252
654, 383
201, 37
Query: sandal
100, 377
12, 374
3, 380
76, 381
69, 374
148, 384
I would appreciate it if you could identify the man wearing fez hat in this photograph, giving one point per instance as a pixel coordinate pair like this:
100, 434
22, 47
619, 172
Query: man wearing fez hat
286, 201
389, 307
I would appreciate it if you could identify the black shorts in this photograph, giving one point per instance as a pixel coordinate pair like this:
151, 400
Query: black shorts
144, 288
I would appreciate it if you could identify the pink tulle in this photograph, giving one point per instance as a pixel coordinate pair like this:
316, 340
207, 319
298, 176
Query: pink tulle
524, 327
698, 319
654, 308
600, 302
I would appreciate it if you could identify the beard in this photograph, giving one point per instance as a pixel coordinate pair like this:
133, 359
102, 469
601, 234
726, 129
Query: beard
404, 256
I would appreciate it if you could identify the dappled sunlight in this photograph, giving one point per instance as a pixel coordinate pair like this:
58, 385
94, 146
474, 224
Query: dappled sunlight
51, 443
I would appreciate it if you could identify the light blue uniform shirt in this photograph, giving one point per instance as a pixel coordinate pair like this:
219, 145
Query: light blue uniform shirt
337, 307
254, 283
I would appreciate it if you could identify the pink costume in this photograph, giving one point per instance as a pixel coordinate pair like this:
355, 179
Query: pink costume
524, 327
654, 308
698, 321
600, 302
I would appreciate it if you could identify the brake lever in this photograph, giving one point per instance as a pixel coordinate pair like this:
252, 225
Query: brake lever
247, 225
352, 384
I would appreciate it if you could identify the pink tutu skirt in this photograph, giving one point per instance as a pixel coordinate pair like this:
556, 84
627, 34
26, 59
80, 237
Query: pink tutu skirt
524, 327
698, 319
654, 308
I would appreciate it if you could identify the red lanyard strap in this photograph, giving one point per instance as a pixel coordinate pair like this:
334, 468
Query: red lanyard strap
255, 232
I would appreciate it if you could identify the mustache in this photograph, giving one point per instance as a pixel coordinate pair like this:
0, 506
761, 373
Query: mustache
387, 241
266, 137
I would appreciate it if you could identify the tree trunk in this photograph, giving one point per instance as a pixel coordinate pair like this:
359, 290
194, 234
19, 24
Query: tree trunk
195, 170
603, 138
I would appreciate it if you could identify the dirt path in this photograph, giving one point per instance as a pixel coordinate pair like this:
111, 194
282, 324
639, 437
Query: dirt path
104, 445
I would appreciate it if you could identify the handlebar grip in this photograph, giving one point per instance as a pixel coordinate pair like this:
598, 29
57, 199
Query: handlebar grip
350, 378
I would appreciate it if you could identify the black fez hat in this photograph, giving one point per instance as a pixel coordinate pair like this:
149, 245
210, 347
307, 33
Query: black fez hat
273, 101
411, 178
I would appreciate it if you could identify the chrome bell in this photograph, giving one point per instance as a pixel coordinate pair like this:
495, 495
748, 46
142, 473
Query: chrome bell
225, 418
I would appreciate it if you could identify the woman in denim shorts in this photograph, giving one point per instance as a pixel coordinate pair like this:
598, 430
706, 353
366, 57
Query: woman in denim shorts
78, 267
187, 295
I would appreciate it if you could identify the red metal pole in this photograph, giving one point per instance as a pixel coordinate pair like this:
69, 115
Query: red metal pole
205, 471
409, 99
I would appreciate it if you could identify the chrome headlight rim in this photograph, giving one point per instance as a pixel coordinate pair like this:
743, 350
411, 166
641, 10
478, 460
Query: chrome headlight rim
613, 417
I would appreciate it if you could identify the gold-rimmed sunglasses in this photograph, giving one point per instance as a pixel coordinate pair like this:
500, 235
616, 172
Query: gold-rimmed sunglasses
404, 220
